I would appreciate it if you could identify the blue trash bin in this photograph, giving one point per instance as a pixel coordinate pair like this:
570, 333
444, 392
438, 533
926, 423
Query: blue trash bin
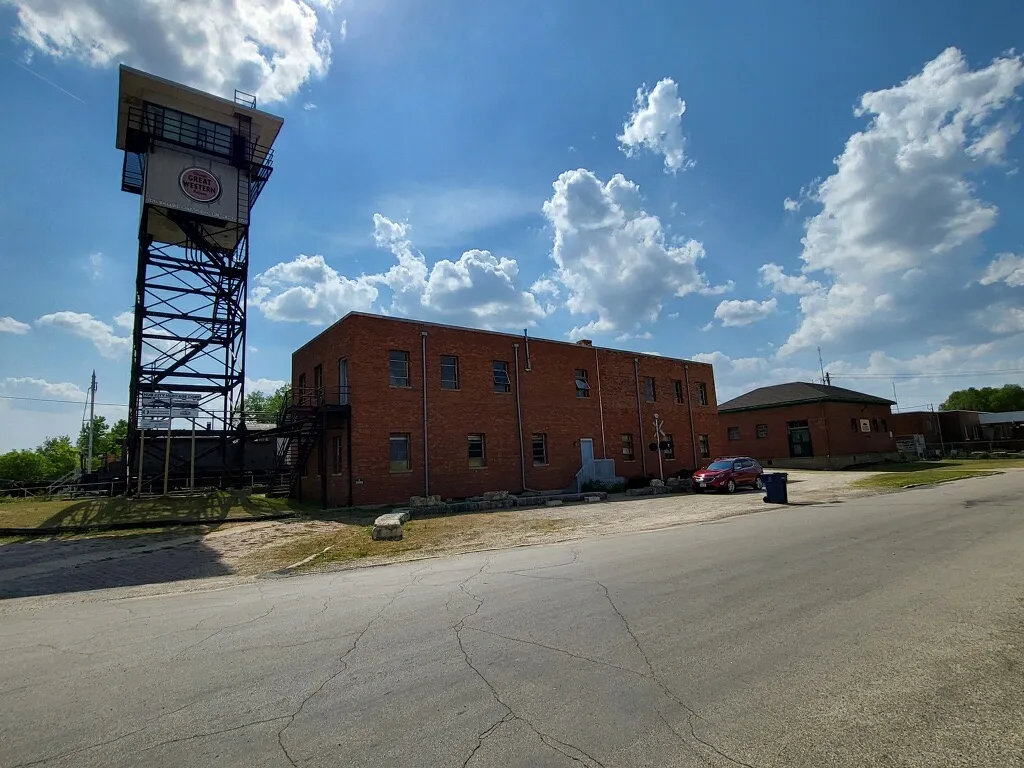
775, 488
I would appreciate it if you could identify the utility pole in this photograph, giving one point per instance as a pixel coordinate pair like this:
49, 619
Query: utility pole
894, 396
938, 427
92, 419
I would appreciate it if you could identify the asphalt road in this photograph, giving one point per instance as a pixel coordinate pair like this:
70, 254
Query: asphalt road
881, 632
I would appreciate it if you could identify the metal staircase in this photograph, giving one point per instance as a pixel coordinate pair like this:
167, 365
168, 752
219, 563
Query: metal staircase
299, 427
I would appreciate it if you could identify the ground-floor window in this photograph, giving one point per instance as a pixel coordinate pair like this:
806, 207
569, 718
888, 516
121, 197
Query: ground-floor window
670, 448
705, 446
627, 448
762, 430
734, 433
400, 459
477, 455
540, 449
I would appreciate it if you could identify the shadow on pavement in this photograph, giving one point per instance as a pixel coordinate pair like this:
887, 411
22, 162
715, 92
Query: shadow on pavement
53, 566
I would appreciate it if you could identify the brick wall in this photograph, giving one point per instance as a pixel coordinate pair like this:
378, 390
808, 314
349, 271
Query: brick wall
547, 399
832, 432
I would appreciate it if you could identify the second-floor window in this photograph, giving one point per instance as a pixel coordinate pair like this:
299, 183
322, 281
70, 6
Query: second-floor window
449, 372
702, 393
677, 386
398, 368
582, 383
502, 383
650, 394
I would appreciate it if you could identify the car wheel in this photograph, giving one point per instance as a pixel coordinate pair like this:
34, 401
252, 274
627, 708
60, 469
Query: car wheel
759, 483
730, 487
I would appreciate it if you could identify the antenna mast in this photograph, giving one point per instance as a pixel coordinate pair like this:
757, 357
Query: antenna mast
822, 366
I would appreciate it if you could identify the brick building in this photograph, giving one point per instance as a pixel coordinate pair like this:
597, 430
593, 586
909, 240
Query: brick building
414, 408
807, 425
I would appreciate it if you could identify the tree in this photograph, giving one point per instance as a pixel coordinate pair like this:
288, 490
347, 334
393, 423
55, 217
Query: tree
24, 466
105, 439
263, 408
1009, 397
60, 454
116, 437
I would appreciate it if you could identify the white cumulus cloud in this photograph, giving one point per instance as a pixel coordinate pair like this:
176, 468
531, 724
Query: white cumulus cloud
85, 326
901, 219
613, 257
735, 313
1005, 268
307, 289
773, 276
10, 325
656, 125
267, 47
791, 205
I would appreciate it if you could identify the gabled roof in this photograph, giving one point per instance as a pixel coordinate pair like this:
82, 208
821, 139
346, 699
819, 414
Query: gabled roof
797, 392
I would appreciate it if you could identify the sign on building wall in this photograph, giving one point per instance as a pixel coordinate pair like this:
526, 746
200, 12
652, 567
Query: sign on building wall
865, 425
195, 183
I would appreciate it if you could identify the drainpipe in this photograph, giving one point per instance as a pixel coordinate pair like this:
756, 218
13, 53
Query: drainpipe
639, 415
600, 403
689, 414
426, 463
519, 421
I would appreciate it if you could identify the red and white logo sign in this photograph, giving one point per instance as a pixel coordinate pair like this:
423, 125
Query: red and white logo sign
200, 185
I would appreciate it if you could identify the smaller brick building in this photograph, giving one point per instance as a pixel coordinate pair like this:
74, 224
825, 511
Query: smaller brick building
808, 425
409, 408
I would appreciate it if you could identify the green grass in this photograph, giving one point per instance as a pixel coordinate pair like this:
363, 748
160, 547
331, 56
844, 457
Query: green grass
895, 480
205, 509
964, 464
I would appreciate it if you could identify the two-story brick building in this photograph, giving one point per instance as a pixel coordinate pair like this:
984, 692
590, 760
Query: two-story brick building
427, 409
802, 424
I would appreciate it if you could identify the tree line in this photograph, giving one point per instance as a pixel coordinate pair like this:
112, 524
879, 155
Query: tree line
58, 456
1009, 397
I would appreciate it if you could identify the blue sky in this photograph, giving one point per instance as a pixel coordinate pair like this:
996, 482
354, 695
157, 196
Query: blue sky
740, 182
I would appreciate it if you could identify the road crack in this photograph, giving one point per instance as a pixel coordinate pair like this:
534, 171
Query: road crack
344, 665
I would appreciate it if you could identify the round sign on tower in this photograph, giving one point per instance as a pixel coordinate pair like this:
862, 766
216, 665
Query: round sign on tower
199, 184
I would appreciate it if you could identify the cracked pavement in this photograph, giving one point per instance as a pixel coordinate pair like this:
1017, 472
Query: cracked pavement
886, 631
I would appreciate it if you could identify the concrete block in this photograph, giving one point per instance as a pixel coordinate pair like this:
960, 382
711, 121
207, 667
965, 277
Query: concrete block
553, 503
656, 483
386, 533
495, 495
405, 513
391, 519
591, 499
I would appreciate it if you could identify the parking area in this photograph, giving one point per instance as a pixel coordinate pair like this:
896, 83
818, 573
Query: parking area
244, 551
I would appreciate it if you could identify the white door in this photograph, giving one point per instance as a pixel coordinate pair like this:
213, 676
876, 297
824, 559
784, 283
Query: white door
587, 450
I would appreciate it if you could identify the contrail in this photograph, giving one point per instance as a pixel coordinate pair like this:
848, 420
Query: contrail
48, 82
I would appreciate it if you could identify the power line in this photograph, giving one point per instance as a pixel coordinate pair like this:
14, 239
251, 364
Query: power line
926, 375
54, 400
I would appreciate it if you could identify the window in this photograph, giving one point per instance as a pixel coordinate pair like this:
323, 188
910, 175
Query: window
540, 449
400, 461
677, 386
702, 393
874, 425
884, 427
669, 452
172, 125
398, 368
582, 383
301, 399
705, 446
477, 457
627, 448
337, 454
854, 426
501, 380
649, 392
343, 381
449, 372
762, 431
734, 433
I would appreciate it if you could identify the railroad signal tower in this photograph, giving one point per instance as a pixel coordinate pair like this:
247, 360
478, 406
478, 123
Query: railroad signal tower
198, 162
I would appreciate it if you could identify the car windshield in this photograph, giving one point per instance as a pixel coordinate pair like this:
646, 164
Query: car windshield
720, 465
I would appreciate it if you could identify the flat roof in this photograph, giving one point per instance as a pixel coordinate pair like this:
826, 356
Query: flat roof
138, 86
506, 334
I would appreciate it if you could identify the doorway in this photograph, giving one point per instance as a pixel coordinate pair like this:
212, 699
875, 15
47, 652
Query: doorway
587, 451
800, 440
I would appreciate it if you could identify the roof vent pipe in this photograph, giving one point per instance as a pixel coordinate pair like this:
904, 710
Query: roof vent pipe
526, 345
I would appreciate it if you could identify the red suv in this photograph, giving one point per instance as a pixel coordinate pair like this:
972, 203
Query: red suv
728, 474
